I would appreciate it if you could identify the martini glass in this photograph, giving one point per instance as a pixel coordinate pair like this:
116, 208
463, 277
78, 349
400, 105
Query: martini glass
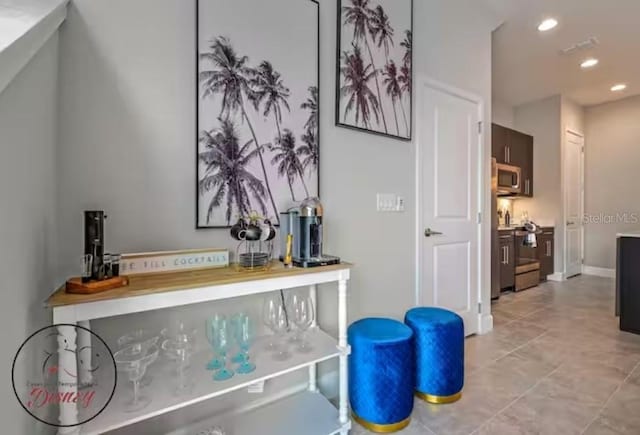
134, 361
146, 339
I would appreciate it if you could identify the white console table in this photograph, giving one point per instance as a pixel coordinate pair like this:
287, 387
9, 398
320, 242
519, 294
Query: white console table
306, 412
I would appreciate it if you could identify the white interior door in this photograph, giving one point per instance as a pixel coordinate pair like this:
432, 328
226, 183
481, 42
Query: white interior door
573, 170
448, 188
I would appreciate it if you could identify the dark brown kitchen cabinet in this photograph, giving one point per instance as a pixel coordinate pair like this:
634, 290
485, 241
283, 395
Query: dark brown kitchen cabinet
499, 140
545, 253
521, 155
507, 258
514, 148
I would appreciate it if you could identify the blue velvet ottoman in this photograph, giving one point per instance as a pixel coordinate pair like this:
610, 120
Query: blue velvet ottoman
439, 350
381, 374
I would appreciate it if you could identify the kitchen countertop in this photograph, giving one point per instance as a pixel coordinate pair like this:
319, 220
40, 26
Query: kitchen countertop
518, 227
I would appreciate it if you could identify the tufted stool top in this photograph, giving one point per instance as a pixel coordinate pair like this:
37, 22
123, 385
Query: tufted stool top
378, 330
429, 318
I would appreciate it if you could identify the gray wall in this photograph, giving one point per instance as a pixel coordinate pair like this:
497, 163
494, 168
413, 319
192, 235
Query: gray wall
127, 144
503, 114
611, 168
27, 215
127, 137
547, 121
542, 120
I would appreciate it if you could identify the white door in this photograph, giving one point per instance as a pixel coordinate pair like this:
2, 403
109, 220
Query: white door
573, 170
448, 187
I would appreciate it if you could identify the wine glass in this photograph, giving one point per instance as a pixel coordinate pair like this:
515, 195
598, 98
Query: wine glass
292, 301
221, 345
210, 326
180, 352
280, 326
303, 317
179, 331
244, 334
269, 314
134, 360
146, 339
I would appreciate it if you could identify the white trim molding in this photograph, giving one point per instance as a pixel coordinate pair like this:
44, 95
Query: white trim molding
599, 271
558, 277
486, 324
25, 26
484, 319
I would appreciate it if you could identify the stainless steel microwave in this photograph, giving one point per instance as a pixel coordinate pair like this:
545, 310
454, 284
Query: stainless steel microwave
509, 179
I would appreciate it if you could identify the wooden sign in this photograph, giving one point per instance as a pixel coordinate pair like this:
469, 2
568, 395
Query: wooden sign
173, 261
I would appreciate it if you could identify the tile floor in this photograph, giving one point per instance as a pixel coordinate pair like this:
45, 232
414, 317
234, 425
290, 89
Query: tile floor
556, 363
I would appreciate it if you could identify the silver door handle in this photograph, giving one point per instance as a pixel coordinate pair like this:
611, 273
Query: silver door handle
429, 233
527, 183
506, 250
504, 255
506, 154
548, 248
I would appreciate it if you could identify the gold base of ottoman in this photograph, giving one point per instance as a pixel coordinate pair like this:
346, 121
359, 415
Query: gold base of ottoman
382, 428
439, 400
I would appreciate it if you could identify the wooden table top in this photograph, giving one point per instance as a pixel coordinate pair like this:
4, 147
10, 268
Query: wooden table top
140, 285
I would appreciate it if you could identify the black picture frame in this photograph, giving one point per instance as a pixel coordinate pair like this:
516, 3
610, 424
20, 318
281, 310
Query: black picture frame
338, 121
198, 226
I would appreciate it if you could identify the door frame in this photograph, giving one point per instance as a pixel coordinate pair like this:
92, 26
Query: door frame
565, 254
424, 80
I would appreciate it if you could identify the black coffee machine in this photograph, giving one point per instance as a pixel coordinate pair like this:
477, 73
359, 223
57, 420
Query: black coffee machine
94, 243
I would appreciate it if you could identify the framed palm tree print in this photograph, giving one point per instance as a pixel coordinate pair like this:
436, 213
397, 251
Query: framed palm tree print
258, 96
374, 66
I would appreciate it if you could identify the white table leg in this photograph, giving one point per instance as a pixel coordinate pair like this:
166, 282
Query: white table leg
342, 342
84, 341
67, 377
313, 368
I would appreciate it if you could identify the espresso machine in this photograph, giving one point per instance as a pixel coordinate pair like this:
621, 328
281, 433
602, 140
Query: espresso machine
304, 225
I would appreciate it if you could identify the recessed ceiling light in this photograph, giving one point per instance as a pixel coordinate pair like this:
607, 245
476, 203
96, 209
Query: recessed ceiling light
547, 24
589, 63
619, 87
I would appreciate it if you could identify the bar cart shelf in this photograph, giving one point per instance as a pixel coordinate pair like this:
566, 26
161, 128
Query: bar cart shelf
290, 414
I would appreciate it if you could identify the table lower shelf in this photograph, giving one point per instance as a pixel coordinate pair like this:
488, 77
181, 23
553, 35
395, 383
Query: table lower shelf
305, 413
161, 389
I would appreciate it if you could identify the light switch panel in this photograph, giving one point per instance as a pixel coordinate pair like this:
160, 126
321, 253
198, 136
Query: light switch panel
390, 203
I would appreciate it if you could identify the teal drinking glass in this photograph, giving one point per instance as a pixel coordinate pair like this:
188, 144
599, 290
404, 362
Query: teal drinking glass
245, 334
211, 324
221, 345
236, 325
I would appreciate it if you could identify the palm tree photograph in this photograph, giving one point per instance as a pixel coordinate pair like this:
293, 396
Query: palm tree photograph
258, 149
374, 66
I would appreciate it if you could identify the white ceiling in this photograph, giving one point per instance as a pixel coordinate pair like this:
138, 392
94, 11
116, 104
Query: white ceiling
526, 63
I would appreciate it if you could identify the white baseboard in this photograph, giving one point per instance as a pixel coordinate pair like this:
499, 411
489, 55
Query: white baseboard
599, 271
558, 277
486, 324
